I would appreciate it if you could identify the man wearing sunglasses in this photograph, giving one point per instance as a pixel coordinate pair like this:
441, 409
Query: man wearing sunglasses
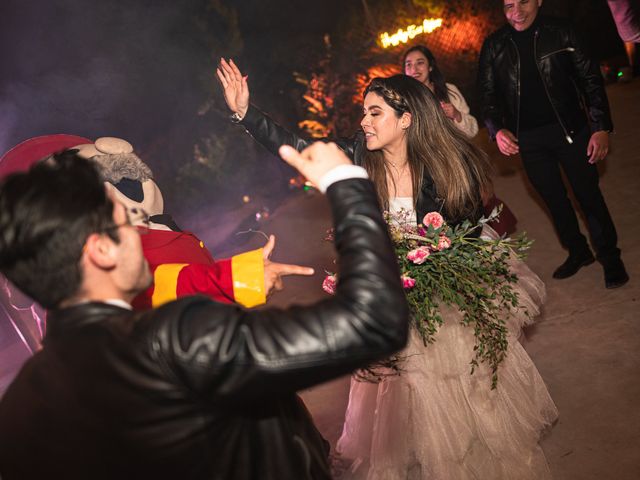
193, 389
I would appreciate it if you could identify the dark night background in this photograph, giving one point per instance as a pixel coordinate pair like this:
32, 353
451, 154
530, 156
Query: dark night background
144, 70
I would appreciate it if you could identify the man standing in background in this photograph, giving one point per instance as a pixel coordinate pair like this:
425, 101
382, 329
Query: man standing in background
534, 77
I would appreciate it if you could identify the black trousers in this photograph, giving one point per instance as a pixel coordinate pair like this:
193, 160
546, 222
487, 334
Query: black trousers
544, 150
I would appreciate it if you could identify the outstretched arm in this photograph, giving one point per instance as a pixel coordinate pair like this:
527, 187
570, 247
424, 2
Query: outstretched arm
259, 125
228, 353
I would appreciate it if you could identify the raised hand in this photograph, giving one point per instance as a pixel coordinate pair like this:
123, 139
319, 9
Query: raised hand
315, 161
507, 142
273, 272
234, 85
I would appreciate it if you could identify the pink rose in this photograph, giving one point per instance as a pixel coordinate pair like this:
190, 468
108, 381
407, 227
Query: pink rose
329, 284
434, 219
418, 255
444, 242
407, 282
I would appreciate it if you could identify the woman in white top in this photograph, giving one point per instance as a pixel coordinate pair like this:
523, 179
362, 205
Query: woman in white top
434, 420
418, 62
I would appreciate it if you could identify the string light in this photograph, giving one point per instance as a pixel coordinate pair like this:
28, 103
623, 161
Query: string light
428, 26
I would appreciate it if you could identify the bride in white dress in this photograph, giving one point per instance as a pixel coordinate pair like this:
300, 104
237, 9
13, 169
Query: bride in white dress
435, 420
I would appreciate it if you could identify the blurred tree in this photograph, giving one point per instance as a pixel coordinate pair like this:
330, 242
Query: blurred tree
327, 97
203, 159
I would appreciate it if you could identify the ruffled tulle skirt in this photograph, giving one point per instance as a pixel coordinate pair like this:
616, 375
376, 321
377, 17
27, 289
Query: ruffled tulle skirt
437, 421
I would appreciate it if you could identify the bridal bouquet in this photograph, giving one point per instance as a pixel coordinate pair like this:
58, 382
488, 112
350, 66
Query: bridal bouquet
441, 265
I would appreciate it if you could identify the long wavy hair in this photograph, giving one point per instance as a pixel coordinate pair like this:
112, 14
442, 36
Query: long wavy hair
459, 169
435, 75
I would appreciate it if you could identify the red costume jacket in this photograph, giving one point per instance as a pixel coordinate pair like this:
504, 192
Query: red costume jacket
181, 265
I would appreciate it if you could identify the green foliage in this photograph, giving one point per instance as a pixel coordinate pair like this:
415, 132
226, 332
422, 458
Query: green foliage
327, 100
472, 275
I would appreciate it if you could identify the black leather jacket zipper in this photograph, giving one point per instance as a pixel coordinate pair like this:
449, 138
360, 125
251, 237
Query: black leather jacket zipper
568, 49
535, 58
515, 47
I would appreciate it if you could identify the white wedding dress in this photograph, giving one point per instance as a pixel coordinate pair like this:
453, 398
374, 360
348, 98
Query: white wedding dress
436, 421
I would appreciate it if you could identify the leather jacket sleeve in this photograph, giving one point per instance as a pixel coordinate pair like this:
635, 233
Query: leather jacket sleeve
271, 135
491, 107
591, 84
227, 353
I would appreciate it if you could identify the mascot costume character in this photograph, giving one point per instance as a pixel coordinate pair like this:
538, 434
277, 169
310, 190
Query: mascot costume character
179, 260
180, 263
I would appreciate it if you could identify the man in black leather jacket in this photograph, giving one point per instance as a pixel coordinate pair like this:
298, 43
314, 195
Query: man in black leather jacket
534, 77
193, 389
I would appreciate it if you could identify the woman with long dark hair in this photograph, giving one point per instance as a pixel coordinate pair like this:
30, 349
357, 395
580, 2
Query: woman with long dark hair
427, 145
420, 63
434, 420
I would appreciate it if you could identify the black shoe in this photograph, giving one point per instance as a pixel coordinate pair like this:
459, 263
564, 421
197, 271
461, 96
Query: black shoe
615, 274
572, 264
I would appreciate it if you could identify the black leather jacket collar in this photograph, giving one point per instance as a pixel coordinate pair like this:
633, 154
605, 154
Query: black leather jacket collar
65, 319
570, 76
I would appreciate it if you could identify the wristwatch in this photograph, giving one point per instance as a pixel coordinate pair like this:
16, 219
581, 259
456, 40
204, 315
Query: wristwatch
236, 117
